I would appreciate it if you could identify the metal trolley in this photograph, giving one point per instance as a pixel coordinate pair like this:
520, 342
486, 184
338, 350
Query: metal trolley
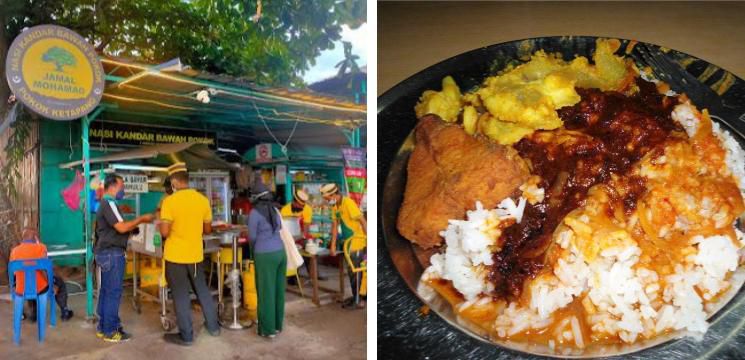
211, 245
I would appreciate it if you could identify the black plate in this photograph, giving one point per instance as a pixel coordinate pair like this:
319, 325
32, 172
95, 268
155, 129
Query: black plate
402, 331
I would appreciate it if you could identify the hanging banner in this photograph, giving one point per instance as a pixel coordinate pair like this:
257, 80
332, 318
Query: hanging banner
55, 72
354, 157
355, 172
135, 184
263, 153
125, 134
281, 174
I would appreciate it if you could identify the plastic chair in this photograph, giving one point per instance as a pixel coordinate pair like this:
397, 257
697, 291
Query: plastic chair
362, 269
30, 292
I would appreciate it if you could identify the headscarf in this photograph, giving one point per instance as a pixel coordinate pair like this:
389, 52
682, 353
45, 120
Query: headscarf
263, 202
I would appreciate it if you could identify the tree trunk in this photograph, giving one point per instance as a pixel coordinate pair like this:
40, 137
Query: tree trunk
6, 236
5, 206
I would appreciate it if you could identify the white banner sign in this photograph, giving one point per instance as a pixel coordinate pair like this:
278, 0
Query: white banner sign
135, 184
263, 153
281, 175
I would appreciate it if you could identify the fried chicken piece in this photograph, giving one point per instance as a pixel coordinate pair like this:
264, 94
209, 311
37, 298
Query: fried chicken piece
448, 172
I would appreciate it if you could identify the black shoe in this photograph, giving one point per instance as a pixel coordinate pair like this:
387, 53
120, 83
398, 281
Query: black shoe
322, 278
66, 314
176, 339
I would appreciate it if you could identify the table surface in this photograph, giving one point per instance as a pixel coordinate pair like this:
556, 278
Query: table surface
713, 32
413, 36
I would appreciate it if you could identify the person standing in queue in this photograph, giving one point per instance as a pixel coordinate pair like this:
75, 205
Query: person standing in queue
264, 224
346, 213
185, 216
112, 234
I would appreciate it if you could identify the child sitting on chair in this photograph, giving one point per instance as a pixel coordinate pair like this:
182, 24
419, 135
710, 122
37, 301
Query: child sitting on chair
31, 248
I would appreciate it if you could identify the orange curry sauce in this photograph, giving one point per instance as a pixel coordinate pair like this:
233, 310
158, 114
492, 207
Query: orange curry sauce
607, 141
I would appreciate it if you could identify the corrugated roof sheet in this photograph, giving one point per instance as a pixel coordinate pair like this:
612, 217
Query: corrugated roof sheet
239, 109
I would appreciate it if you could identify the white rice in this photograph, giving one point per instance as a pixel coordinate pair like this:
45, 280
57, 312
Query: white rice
533, 193
685, 115
735, 156
469, 248
508, 209
622, 295
619, 297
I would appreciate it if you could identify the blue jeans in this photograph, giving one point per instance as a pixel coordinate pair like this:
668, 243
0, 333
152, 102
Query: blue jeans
112, 263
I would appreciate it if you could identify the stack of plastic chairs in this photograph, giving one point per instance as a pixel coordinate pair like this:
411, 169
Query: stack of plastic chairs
30, 292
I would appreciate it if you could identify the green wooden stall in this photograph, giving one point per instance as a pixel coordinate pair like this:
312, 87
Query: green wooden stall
240, 112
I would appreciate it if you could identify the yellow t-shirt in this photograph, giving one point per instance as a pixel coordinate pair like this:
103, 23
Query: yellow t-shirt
350, 214
187, 210
306, 213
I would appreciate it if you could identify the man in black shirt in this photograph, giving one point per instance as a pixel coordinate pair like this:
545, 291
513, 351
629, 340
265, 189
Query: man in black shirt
112, 234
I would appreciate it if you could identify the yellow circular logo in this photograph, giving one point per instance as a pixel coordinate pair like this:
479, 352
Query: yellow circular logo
57, 69
55, 72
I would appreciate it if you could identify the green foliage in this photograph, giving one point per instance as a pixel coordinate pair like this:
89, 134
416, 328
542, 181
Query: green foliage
15, 152
59, 56
273, 46
349, 62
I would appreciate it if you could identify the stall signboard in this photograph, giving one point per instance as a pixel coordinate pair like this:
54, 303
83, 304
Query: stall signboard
263, 153
281, 174
354, 157
355, 172
127, 134
55, 72
135, 184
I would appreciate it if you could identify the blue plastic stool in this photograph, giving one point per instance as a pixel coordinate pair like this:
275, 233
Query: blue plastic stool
29, 268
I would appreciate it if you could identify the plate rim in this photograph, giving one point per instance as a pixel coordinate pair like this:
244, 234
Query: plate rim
400, 90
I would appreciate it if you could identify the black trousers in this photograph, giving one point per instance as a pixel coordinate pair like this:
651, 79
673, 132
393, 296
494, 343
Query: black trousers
355, 279
60, 296
181, 279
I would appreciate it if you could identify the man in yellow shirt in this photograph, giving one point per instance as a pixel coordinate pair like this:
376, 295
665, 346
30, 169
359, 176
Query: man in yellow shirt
299, 208
185, 216
347, 214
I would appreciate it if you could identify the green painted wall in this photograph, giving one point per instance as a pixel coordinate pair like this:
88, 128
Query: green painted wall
58, 224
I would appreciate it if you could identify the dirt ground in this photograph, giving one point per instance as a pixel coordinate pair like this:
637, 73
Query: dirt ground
310, 332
